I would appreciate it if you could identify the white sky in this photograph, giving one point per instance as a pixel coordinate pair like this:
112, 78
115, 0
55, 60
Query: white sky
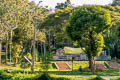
52, 3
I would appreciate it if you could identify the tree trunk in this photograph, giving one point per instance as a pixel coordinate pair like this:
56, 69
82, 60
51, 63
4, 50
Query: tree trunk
89, 58
72, 65
37, 44
92, 64
41, 48
44, 49
10, 47
16, 61
33, 54
49, 42
6, 56
54, 43
0, 50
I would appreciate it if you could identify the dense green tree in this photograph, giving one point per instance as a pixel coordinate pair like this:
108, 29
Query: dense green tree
3, 31
85, 27
115, 2
55, 24
63, 5
21, 15
2, 34
111, 36
16, 16
37, 14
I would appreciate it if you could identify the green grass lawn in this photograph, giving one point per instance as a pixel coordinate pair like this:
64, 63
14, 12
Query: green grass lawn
78, 64
67, 74
53, 70
20, 76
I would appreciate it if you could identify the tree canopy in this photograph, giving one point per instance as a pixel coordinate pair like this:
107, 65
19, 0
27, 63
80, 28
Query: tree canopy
63, 5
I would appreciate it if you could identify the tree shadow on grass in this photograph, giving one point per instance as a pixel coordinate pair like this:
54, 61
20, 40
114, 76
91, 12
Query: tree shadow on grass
106, 72
75, 72
109, 72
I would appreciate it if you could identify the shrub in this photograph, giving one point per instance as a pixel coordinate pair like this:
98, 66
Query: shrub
25, 64
60, 79
4, 76
45, 65
97, 78
44, 76
80, 69
53, 65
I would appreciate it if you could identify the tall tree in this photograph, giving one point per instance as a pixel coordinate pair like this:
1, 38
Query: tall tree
55, 24
85, 27
2, 34
2, 27
18, 14
15, 16
37, 15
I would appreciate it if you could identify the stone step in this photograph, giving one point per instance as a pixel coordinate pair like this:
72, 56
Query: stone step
114, 65
62, 65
